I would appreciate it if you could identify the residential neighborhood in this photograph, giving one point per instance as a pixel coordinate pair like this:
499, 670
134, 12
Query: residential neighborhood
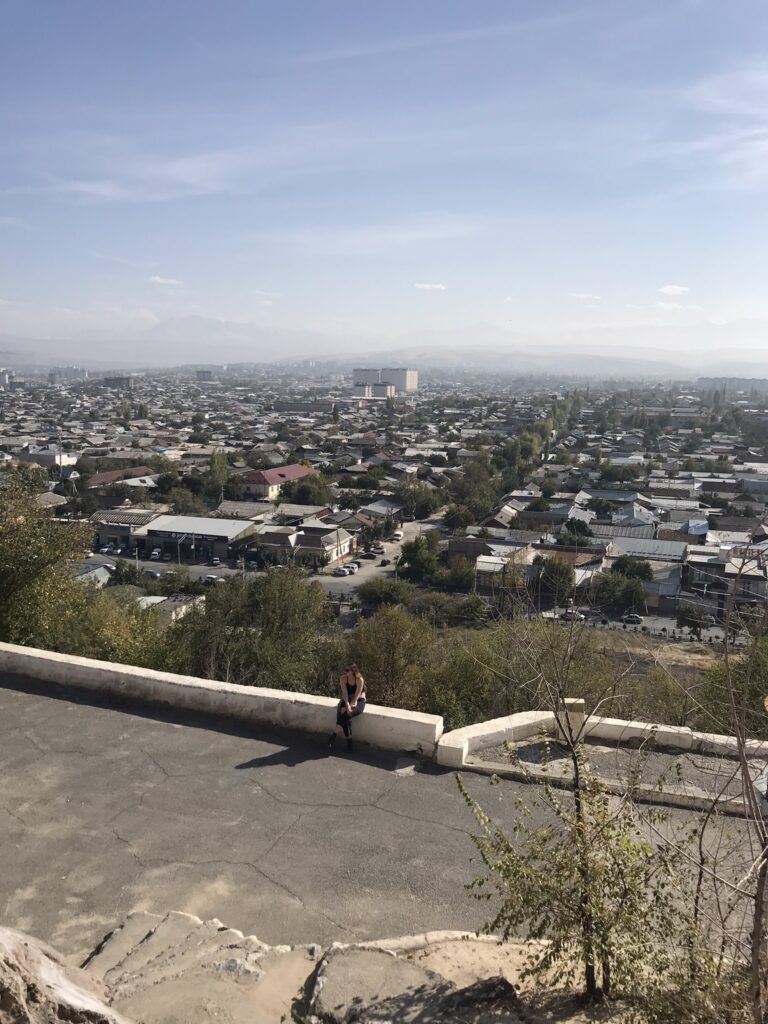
247, 467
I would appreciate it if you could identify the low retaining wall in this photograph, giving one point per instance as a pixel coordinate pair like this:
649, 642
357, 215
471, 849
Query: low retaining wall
389, 728
454, 747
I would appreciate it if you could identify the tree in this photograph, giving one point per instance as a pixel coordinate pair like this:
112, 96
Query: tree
35, 550
185, 502
619, 594
458, 517
555, 578
633, 567
309, 490
393, 651
260, 631
587, 888
417, 561
380, 590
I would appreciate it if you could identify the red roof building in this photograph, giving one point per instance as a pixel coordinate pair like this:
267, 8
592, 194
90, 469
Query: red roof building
266, 483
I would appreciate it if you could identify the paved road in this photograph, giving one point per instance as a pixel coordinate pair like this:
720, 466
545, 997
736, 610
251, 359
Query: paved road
103, 811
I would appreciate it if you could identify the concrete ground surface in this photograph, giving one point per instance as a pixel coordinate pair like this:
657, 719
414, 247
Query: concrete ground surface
107, 810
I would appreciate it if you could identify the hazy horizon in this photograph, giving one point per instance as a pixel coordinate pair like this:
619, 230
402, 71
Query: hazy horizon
572, 176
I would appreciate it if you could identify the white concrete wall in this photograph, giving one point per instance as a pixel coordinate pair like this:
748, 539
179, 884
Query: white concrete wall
454, 747
390, 728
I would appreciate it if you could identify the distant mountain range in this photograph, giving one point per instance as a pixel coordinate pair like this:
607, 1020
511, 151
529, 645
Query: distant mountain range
739, 348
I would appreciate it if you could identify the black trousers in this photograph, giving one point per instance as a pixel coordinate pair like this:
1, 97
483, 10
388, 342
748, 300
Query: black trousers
344, 717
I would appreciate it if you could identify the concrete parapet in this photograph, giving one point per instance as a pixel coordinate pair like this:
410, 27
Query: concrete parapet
453, 748
389, 728
571, 719
618, 730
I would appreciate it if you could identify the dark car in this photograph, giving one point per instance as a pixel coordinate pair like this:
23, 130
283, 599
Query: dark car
385, 561
368, 554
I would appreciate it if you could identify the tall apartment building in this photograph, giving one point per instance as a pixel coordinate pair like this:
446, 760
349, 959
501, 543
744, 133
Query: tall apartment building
404, 380
366, 376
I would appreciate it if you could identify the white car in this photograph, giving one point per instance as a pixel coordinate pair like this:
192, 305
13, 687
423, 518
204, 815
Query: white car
397, 535
155, 556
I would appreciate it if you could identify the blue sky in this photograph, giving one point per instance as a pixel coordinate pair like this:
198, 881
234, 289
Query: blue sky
368, 169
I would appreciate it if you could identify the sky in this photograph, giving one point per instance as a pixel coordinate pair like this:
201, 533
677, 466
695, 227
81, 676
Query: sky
368, 169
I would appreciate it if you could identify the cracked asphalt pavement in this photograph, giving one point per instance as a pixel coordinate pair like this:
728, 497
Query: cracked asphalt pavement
106, 809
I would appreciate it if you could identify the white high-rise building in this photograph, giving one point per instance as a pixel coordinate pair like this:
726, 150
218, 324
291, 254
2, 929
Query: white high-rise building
404, 380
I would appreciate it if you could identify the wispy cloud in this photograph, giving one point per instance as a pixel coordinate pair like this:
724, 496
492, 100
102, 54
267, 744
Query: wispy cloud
584, 296
430, 40
672, 289
266, 295
678, 306
370, 239
168, 281
426, 286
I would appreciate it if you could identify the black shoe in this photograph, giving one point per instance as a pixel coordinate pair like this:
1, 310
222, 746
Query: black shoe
331, 739
349, 746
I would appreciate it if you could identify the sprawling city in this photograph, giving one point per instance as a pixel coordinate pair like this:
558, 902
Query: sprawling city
384, 513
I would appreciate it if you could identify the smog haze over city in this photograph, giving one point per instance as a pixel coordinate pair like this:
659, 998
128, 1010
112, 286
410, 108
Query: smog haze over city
577, 181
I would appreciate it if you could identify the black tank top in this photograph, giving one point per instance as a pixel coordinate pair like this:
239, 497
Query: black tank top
352, 689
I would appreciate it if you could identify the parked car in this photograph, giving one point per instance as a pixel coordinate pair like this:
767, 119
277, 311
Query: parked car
215, 561
351, 568
210, 579
571, 615
167, 556
152, 573
340, 571
632, 619
708, 621
155, 556
409, 518
105, 550
378, 550
368, 554
385, 561
397, 535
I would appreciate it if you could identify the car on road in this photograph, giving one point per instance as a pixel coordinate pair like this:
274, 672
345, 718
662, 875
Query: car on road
571, 615
632, 619
215, 561
368, 554
378, 550
212, 579
155, 556
152, 573
105, 550
352, 568
386, 561
397, 535
340, 570
410, 518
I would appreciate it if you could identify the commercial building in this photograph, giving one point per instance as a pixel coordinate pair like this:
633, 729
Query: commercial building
194, 537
